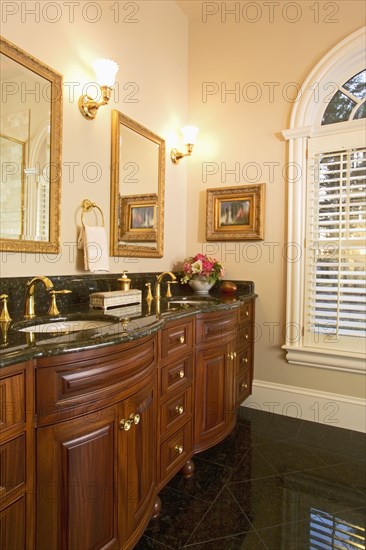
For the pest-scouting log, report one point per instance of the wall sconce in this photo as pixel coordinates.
(189, 139)
(105, 76)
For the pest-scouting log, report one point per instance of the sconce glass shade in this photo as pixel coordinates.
(189, 139)
(105, 72)
(105, 75)
(189, 134)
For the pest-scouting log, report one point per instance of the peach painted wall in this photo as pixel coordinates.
(149, 41)
(244, 69)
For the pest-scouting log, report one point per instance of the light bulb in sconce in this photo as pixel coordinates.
(105, 76)
(189, 139)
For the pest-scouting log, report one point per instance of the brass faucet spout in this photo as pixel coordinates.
(29, 295)
(159, 279)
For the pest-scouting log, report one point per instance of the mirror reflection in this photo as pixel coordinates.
(137, 189)
(30, 147)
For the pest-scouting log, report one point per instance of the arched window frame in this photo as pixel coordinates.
(336, 67)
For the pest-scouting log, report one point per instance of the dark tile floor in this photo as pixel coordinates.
(275, 483)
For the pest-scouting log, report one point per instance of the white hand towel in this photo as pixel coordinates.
(93, 240)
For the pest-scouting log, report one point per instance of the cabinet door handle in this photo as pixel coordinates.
(135, 418)
(244, 386)
(245, 360)
(182, 339)
(181, 373)
(246, 336)
(230, 356)
(247, 313)
(125, 424)
(178, 449)
(234, 354)
(179, 409)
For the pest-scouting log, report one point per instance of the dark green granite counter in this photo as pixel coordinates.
(17, 346)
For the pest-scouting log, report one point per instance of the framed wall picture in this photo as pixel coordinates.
(138, 217)
(235, 213)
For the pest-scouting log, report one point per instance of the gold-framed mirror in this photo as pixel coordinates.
(31, 144)
(137, 190)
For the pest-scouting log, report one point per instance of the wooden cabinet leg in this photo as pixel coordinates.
(188, 469)
(157, 507)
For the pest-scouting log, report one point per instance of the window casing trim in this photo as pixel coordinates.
(346, 59)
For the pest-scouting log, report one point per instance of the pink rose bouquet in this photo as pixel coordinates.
(202, 267)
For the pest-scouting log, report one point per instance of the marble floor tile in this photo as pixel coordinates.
(275, 483)
(223, 518)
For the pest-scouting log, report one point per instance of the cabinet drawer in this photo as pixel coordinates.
(245, 334)
(215, 327)
(176, 338)
(175, 412)
(246, 312)
(175, 451)
(85, 380)
(12, 460)
(12, 526)
(244, 360)
(176, 375)
(243, 386)
(12, 402)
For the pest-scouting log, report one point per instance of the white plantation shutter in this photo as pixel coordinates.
(335, 292)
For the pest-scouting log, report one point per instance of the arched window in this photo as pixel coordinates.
(349, 101)
(326, 300)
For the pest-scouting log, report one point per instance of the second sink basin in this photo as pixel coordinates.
(65, 326)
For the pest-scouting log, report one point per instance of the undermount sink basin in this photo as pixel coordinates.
(65, 326)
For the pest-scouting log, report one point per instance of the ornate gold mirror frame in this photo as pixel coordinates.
(137, 190)
(41, 162)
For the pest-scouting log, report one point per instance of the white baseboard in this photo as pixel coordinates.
(331, 409)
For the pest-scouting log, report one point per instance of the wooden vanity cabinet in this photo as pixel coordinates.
(89, 438)
(17, 455)
(175, 408)
(96, 447)
(215, 371)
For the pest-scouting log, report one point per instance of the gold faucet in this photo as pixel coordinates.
(29, 295)
(159, 279)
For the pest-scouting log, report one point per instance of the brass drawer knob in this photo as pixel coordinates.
(181, 373)
(230, 356)
(182, 339)
(244, 360)
(234, 354)
(179, 409)
(247, 313)
(244, 386)
(178, 449)
(246, 336)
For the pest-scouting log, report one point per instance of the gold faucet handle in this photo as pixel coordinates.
(149, 296)
(53, 307)
(4, 315)
(168, 291)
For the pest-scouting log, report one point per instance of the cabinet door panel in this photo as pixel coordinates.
(137, 459)
(211, 393)
(77, 484)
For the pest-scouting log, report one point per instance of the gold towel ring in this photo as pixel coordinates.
(87, 206)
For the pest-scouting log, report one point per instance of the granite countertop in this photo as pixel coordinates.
(118, 325)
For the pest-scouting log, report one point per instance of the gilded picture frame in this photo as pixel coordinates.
(138, 217)
(235, 213)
